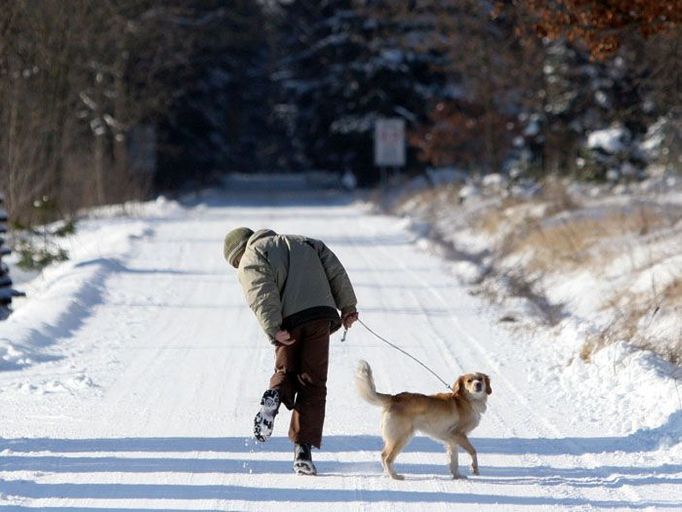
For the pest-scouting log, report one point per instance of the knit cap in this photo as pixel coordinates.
(235, 241)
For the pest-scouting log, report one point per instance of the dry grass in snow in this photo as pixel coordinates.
(610, 259)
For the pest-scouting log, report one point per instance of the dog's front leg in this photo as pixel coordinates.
(463, 441)
(453, 457)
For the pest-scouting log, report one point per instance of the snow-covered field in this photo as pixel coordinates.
(130, 376)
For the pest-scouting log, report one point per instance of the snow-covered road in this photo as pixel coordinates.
(147, 384)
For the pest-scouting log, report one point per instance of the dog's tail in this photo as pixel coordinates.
(364, 382)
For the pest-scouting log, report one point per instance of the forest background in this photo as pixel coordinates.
(106, 101)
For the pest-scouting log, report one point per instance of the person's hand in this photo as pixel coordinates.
(349, 319)
(284, 338)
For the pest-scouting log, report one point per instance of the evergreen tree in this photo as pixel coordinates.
(607, 74)
(588, 119)
(344, 68)
(219, 121)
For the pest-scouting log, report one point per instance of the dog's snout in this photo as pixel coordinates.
(478, 386)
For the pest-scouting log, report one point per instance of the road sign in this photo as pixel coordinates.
(389, 142)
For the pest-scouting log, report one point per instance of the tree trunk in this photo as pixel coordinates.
(99, 169)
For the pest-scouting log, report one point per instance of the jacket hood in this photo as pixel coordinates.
(261, 233)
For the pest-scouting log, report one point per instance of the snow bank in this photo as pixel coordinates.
(60, 298)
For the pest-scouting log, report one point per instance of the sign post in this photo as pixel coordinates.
(389, 145)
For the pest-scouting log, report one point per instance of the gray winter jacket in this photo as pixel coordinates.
(291, 279)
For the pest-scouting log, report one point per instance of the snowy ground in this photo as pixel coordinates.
(130, 376)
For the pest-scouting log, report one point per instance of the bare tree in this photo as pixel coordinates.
(76, 77)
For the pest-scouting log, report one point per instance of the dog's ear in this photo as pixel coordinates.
(458, 386)
(488, 389)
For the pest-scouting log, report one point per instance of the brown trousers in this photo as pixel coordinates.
(301, 379)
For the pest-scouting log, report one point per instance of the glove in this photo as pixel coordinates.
(349, 319)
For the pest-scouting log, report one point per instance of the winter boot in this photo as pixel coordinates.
(303, 461)
(264, 421)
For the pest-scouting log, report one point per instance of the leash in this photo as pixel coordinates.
(343, 338)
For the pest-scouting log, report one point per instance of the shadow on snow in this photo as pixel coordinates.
(303, 495)
(55, 461)
(642, 440)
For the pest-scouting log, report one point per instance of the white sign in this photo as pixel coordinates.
(389, 142)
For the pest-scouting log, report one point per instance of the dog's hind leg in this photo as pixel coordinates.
(396, 436)
(388, 455)
(463, 441)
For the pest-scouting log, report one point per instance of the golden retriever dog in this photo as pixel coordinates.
(447, 417)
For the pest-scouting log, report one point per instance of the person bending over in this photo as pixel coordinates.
(296, 287)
